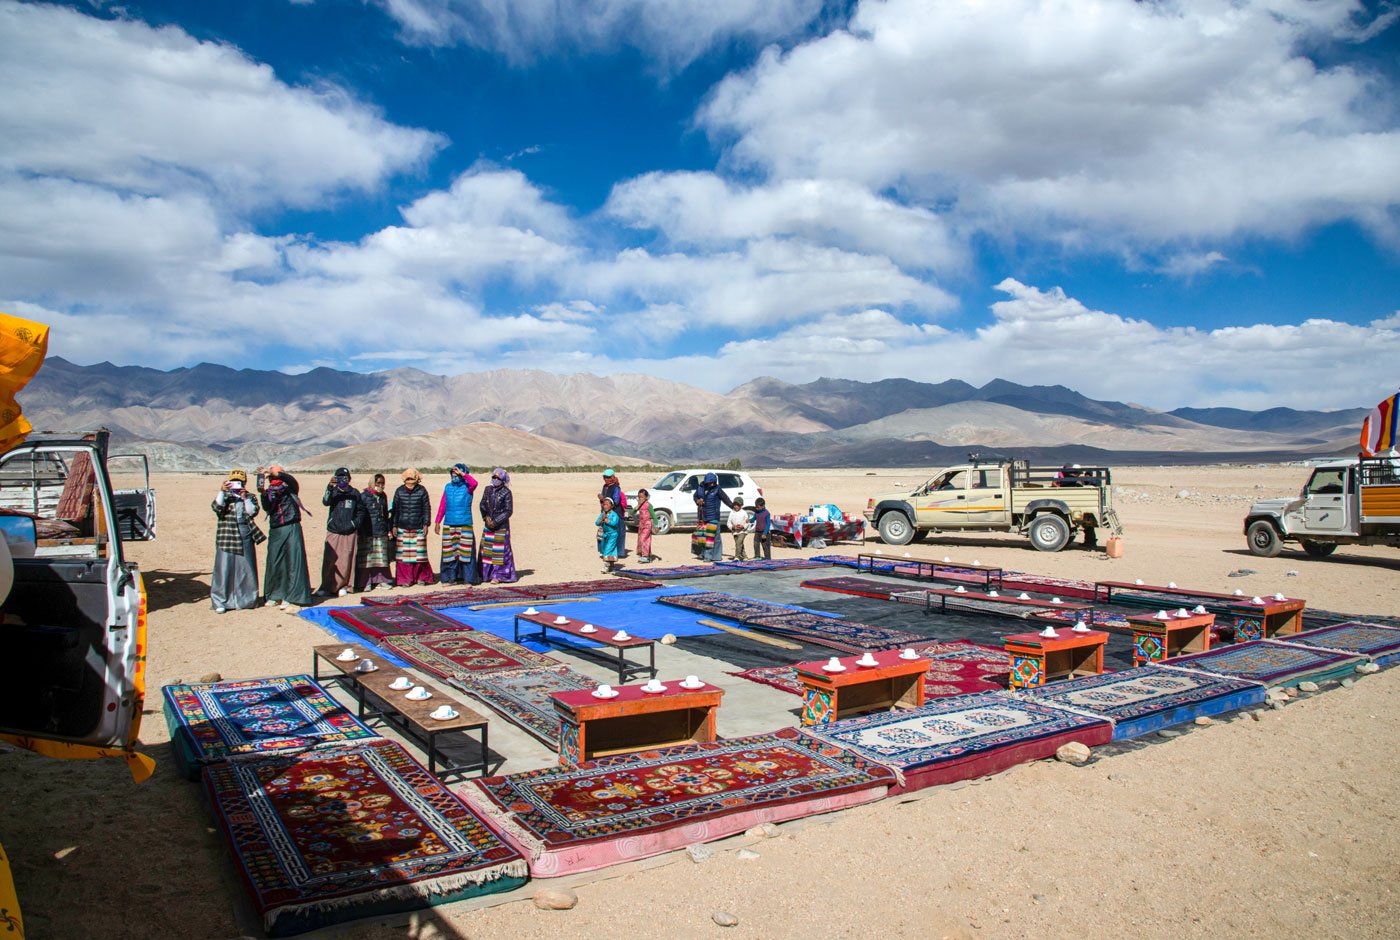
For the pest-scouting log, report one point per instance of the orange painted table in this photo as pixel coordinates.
(889, 684)
(1036, 659)
(1272, 616)
(1156, 638)
(634, 720)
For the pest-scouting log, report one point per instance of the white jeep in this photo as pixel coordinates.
(673, 497)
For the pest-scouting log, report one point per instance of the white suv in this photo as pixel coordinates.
(673, 497)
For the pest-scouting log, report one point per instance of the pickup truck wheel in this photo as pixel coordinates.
(1263, 539)
(895, 529)
(1319, 549)
(662, 523)
(1049, 532)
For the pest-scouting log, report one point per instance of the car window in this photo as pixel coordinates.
(669, 481)
(1326, 481)
(730, 481)
(689, 485)
(986, 479)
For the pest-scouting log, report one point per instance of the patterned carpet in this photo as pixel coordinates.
(338, 835)
(956, 668)
(597, 586)
(457, 654)
(630, 796)
(675, 573)
(1378, 643)
(1141, 700)
(724, 605)
(1269, 662)
(959, 738)
(841, 635)
(521, 696)
(861, 587)
(771, 564)
(375, 623)
(216, 721)
(441, 600)
(1046, 584)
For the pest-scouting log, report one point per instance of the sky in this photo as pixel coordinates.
(1189, 203)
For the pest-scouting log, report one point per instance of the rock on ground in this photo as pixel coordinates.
(699, 853)
(1073, 753)
(724, 919)
(555, 899)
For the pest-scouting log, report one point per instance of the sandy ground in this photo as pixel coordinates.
(1278, 827)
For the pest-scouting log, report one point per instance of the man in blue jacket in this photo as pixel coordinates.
(708, 497)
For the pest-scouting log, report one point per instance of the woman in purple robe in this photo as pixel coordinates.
(495, 556)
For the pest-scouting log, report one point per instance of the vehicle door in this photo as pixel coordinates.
(941, 503)
(732, 485)
(684, 503)
(1325, 495)
(75, 616)
(133, 497)
(986, 497)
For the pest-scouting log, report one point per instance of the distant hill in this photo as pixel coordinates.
(209, 416)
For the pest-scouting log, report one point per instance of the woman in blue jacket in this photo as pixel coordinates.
(454, 524)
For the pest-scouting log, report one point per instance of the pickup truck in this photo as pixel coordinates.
(1353, 501)
(1047, 504)
(75, 613)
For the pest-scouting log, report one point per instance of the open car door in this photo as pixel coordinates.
(74, 622)
(133, 497)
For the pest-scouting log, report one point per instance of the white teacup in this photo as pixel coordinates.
(993, 594)
(959, 590)
(530, 611)
(1198, 609)
(654, 685)
(946, 559)
(867, 660)
(1183, 612)
(1081, 627)
(561, 619)
(1280, 597)
(1048, 631)
(1171, 584)
(1256, 600)
(834, 664)
(692, 682)
(347, 655)
(1023, 596)
(908, 653)
(1056, 600)
(1137, 580)
(366, 665)
(588, 628)
(444, 712)
(401, 684)
(1162, 615)
(621, 635)
(604, 689)
(419, 694)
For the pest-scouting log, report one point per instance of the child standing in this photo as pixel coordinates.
(607, 534)
(644, 521)
(762, 530)
(739, 528)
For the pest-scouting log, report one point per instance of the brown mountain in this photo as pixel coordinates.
(481, 446)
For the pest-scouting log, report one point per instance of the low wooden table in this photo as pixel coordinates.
(634, 720)
(1156, 639)
(891, 683)
(941, 598)
(545, 620)
(411, 717)
(1036, 659)
(1271, 617)
(926, 568)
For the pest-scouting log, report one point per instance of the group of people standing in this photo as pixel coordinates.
(365, 534)
(611, 523)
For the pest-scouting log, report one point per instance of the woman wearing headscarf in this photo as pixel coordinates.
(285, 581)
(342, 534)
(234, 585)
(612, 489)
(374, 551)
(454, 524)
(410, 516)
(497, 504)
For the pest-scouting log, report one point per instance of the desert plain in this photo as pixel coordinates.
(1279, 827)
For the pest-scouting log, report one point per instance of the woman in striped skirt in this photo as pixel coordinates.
(374, 551)
(497, 506)
(454, 524)
(410, 516)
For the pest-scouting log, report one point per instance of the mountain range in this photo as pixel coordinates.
(208, 416)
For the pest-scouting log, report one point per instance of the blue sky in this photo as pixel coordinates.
(1191, 203)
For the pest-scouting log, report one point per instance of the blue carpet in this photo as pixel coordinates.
(321, 617)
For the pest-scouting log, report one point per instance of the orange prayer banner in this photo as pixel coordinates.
(23, 345)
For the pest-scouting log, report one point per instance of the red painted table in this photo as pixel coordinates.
(1270, 617)
(1156, 639)
(891, 683)
(546, 621)
(1035, 659)
(633, 720)
(926, 568)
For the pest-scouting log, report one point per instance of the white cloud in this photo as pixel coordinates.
(673, 33)
(1077, 120)
(705, 210)
(1191, 264)
(129, 107)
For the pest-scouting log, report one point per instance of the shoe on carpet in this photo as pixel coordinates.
(220, 610)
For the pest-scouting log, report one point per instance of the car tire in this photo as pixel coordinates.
(1049, 532)
(1319, 549)
(662, 523)
(895, 529)
(1263, 539)
(920, 535)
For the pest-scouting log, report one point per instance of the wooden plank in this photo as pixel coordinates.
(751, 635)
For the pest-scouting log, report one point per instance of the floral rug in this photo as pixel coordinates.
(597, 586)
(453, 597)
(728, 606)
(337, 835)
(1378, 643)
(457, 654)
(674, 573)
(955, 668)
(841, 635)
(861, 587)
(1269, 662)
(221, 720)
(959, 738)
(1146, 699)
(631, 797)
(408, 618)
